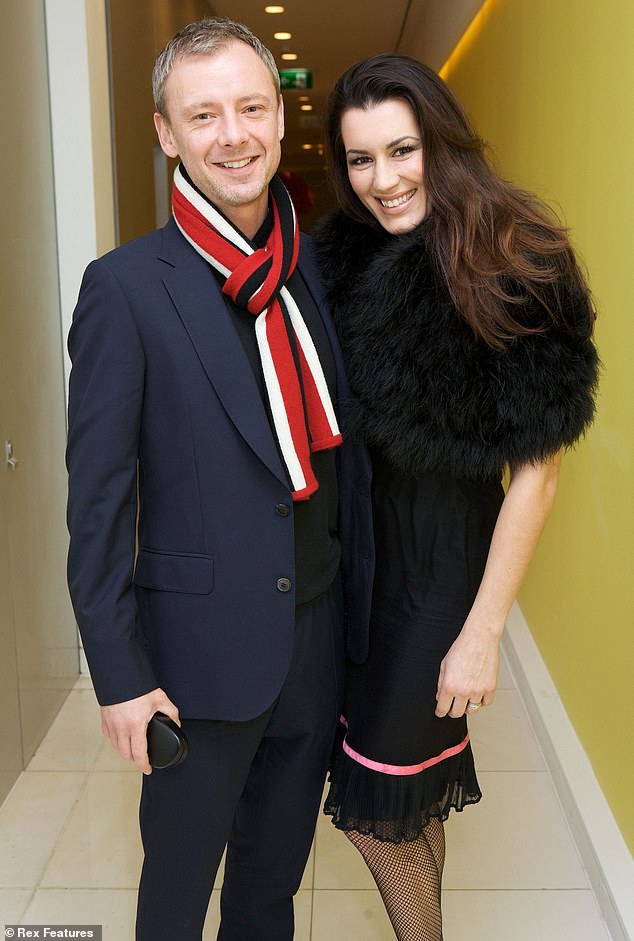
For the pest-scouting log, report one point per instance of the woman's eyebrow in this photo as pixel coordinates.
(394, 143)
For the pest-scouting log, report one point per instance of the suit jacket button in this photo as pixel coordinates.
(282, 509)
(284, 584)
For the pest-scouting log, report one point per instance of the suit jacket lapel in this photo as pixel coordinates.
(200, 305)
(314, 283)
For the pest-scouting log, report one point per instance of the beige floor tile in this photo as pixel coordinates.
(74, 739)
(10, 777)
(213, 917)
(338, 865)
(309, 871)
(220, 874)
(83, 662)
(303, 911)
(114, 909)
(503, 738)
(13, 903)
(350, 916)
(512, 873)
(515, 838)
(31, 820)
(303, 915)
(83, 681)
(523, 916)
(477, 916)
(101, 846)
(109, 760)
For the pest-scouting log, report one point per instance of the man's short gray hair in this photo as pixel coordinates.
(200, 38)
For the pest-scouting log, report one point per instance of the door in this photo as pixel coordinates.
(43, 654)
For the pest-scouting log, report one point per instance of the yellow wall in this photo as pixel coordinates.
(551, 87)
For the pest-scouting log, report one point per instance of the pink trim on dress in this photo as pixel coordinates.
(402, 769)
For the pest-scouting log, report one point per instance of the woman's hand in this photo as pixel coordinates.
(468, 674)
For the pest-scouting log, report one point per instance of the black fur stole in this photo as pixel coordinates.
(431, 396)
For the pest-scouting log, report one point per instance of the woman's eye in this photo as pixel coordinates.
(359, 161)
(403, 151)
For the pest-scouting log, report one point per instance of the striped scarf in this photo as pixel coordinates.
(303, 415)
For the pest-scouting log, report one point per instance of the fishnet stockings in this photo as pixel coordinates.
(408, 876)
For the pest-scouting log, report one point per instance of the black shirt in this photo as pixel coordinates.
(317, 548)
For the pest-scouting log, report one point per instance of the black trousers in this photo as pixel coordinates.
(254, 787)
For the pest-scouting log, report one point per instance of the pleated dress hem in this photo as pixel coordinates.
(395, 808)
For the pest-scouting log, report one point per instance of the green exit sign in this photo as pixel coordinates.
(296, 78)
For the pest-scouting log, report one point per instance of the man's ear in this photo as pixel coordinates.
(165, 136)
(280, 118)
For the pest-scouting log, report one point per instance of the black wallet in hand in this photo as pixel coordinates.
(166, 742)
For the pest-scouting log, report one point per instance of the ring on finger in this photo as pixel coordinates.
(474, 706)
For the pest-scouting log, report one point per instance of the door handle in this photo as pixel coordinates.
(8, 455)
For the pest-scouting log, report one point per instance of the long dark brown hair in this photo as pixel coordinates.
(494, 245)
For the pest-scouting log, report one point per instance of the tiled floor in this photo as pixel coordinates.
(70, 850)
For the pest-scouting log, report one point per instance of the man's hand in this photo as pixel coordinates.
(125, 724)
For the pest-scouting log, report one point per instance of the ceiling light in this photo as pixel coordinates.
(273, 9)
(307, 146)
(282, 36)
(306, 107)
(303, 98)
(289, 56)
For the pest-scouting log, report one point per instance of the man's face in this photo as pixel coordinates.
(224, 121)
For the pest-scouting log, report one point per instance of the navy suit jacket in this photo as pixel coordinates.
(172, 463)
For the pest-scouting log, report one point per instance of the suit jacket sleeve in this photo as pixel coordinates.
(105, 405)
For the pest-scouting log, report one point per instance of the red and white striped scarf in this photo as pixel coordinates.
(301, 407)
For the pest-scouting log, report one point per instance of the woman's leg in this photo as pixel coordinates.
(408, 876)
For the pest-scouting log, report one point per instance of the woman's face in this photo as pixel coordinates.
(384, 152)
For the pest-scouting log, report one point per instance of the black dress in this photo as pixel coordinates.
(399, 763)
(442, 413)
